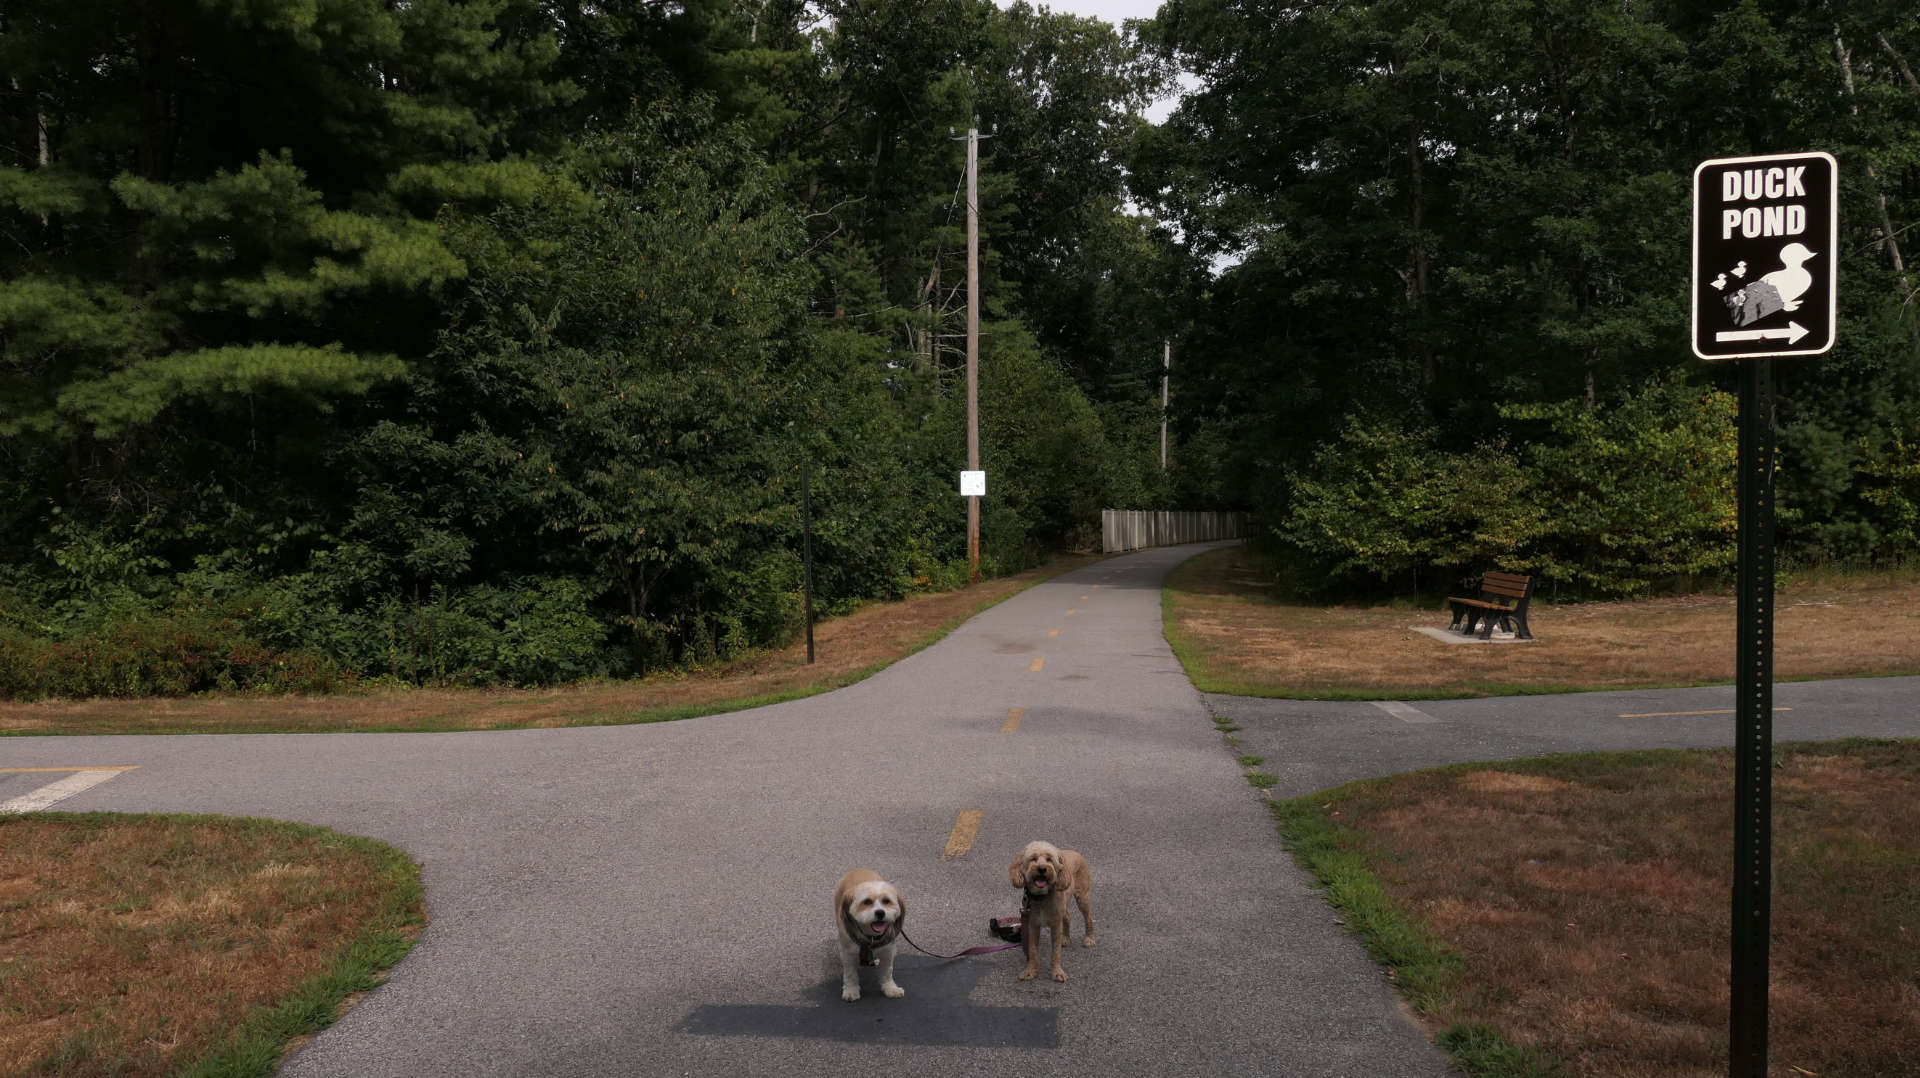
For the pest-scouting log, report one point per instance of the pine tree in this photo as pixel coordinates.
(221, 217)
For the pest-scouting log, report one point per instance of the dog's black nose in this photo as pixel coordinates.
(879, 916)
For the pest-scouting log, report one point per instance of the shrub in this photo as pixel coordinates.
(534, 631)
(1606, 499)
(171, 653)
(1890, 483)
(1634, 493)
(1384, 505)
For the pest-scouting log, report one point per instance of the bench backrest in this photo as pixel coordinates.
(1505, 585)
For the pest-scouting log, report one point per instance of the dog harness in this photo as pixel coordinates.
(859, 935)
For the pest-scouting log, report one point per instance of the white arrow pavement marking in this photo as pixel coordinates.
(1791, 334)
(55, 792)
(1403, 712)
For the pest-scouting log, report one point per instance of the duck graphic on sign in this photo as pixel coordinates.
(1779, 290)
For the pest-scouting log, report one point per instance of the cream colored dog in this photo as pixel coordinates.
(867, 913)
(1047, 874)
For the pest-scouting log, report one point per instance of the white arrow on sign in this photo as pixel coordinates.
(1791, 334)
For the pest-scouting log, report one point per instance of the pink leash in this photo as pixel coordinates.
(983, 949)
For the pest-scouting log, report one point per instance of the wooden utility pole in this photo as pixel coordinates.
(973, 347)
(1166, 364)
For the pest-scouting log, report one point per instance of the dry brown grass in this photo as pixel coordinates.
(844, 649)
(1235, 638)
(1589, 897)
(134, 946)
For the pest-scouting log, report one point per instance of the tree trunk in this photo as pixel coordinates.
(39, 135)
(1417, 280)
(873, 176)
(929, 311)
(1581, 278)
(1888, 241)
(156, 52)
(1900, 62)
(635, 583)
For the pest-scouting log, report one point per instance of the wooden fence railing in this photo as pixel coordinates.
(1137, 529)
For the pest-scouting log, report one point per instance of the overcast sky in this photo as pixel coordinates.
(1111, 10)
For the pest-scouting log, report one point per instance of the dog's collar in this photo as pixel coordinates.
(859, 935)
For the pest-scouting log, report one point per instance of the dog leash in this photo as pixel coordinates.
(985, 948)
(1026, 902)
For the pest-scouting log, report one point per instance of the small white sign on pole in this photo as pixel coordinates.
(973, 484)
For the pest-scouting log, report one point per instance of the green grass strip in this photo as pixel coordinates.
(1422, 967)
(1478, 1050)
(255, 1047)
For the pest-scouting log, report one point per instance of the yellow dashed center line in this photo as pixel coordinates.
(1083, 597)
(88, 767)
(1668, 714)
(1037, 664)
(1051, 633)
(1070, 613)
(966, 827)
(1013, 720)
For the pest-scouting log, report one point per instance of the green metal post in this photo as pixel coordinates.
(1753, 720)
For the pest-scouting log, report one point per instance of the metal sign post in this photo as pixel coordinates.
(1765, 284)
(1753, 729)
(806, 554)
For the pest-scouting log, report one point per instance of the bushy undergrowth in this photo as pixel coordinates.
(289, 635)
(156, 654)
(211, 631)
(535, 631)
(1618, 499)
(1604, 500)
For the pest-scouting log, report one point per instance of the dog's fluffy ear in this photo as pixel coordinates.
(1017, 872)
(902, 901)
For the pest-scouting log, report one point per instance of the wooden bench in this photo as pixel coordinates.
(1503, 600)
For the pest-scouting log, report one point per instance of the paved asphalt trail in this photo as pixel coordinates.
(654, 900)
(642, 900)
(1314, 745)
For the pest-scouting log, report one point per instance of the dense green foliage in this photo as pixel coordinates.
(1612, 498)
(1452, 335)
(482, 341)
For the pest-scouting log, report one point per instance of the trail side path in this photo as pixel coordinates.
(1313, 745)
(652, 900)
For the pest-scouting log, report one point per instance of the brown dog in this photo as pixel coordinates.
(1047, 874)
(867, 915)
